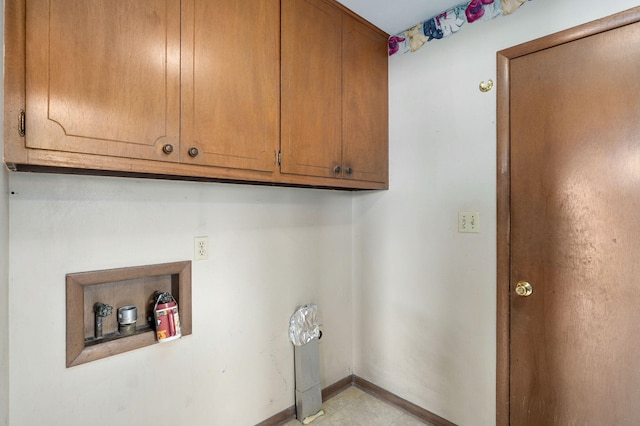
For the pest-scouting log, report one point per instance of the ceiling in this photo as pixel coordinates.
(398, 15)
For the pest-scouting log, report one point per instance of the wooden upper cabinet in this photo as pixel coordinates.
(365, 103)
(311, 88)
(285, 92)
(231, 83)
(334, 94)
(103, 76)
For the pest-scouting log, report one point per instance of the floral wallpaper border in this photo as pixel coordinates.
(450, 22)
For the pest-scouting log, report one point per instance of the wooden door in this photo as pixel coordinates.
(365, 102)
(103, 76)
(572, 136)
(311, 140)
(231, 83)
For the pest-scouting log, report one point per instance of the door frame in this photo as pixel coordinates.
(503, 324)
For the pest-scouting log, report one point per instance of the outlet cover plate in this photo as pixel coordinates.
(469, 222)
(201, 248)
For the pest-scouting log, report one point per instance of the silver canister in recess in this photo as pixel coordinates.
(127, 317)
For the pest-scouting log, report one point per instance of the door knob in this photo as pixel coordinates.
(524, 289)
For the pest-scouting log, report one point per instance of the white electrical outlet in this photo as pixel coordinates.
(469, 222)
(201, 248)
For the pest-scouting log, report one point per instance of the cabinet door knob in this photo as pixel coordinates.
(167, 149)
(349, 170)
(193, 152)
(337, 170)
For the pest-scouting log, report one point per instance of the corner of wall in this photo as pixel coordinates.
(4, 296)
(4, 267)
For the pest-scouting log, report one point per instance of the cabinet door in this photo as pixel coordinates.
(230, 83)
(365, 103)
(103, 76)
(311, 140)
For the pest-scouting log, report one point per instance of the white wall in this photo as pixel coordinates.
(4, 298)
(425, 311)
(271, 250)
(4, 274)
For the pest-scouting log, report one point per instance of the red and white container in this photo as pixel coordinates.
(167, 320)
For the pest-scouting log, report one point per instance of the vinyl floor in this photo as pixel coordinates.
(354, 407)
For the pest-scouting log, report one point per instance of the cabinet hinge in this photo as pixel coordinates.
(21, 123)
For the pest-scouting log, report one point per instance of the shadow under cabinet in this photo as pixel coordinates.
(116, 288)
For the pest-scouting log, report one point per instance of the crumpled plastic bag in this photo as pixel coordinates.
(303, 325)
(510, 6)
